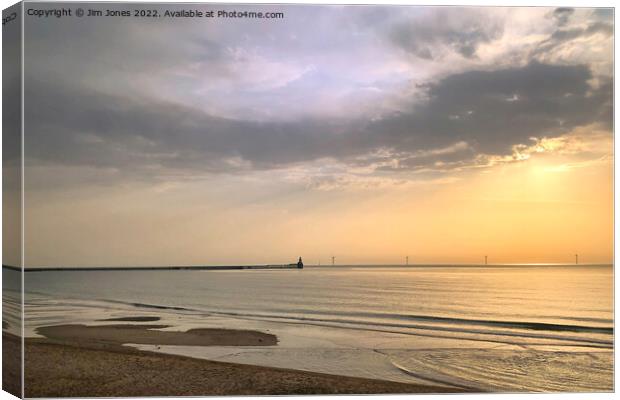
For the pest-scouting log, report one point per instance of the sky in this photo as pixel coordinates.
(368, 133)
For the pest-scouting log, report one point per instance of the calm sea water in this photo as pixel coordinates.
(506, 328)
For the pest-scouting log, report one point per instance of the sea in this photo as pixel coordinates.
(501, 328)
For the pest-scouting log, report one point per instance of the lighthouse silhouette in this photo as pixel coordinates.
(300, 264)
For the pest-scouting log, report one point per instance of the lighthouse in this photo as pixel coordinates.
(300, 264)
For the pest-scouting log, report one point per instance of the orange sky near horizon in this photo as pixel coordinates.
(541, 210)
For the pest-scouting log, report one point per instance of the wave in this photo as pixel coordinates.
(538, 326)
(533, 325)
(452, 325)
(411, 324)
(527, 325)
(147, 305)
(432, 379)
(160, 307)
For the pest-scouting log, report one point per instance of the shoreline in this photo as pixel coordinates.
(88, 366)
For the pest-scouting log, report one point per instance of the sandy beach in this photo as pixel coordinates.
(91, 361)
(11, 356)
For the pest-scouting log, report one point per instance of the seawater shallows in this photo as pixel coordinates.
(509, 328)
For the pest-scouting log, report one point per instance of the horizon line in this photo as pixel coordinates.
(286, 266)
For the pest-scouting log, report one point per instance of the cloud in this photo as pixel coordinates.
(73, 125)
(161, 101)
(437, 31)
(496, 110)
(493, 110)
(562, 15)
(582, 36)
(563, 37)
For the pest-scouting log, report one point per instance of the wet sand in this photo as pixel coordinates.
(132, 319)
(76, 361)
(144, 334)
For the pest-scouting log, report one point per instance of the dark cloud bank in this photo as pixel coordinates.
(453, 120)
(489, 110)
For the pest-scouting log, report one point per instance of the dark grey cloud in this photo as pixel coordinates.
(73, 125)
(605, 13)
(490, 111)
(493, 110)
(562, 15)
(564, 35)
(427, 38)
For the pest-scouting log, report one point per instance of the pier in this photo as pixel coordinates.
(162, 268)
